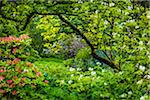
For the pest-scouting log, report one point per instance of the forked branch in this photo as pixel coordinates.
(78, 32)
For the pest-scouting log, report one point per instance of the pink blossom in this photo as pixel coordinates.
(14, 92)
(38, 73)
(2, 78)
(9, 81)
(46, 81)
(2, 70)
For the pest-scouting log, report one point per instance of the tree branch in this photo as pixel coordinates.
(38, 13)
(28, 20)
(78, 32)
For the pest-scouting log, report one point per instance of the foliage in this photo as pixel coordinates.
(18, 75)
(106, 41)
(57, 39)
(116, 30)
(121, 32)
(95, 83)
(82, 60)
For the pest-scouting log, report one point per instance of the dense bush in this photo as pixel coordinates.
(97, 83)
(18, 76)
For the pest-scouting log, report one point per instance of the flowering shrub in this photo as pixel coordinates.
(98, 83)
(18, 75)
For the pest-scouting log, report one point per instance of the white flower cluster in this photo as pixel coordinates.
(121, 72)
(148, 14)
(80, 77)
(76, 8)
(72, 75)
(142, 68)
(96, 11)
(25, 71)
(78, 69)
(131, 21)
(105, 84)
(144, 97)
(93, 73)
(147, 77)
(105, 22)
(90, 69)
(104, 3)
(114, 33)
(130, 7)
(136, 27)
(98, 63)
(46, 51)
(119, 10)
(130, 92)
(111, 4)
(141, 43)
(71, 69)
(70, 81)
(80, 1)
(123, 95)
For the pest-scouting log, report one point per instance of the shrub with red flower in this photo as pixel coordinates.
(13, 38)
(16, 70)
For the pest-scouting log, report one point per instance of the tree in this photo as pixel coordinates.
(117, 28)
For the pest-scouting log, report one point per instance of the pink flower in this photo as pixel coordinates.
(14, 50)
(8, 39)
(15, 77)
(12, 38)
(2, 91)
(38, 73)
(1, 78)
(14, 92)
(24, 36)
(1, 70)
(46, 81)
(9, 81)
(23, 78)
(12, 85)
